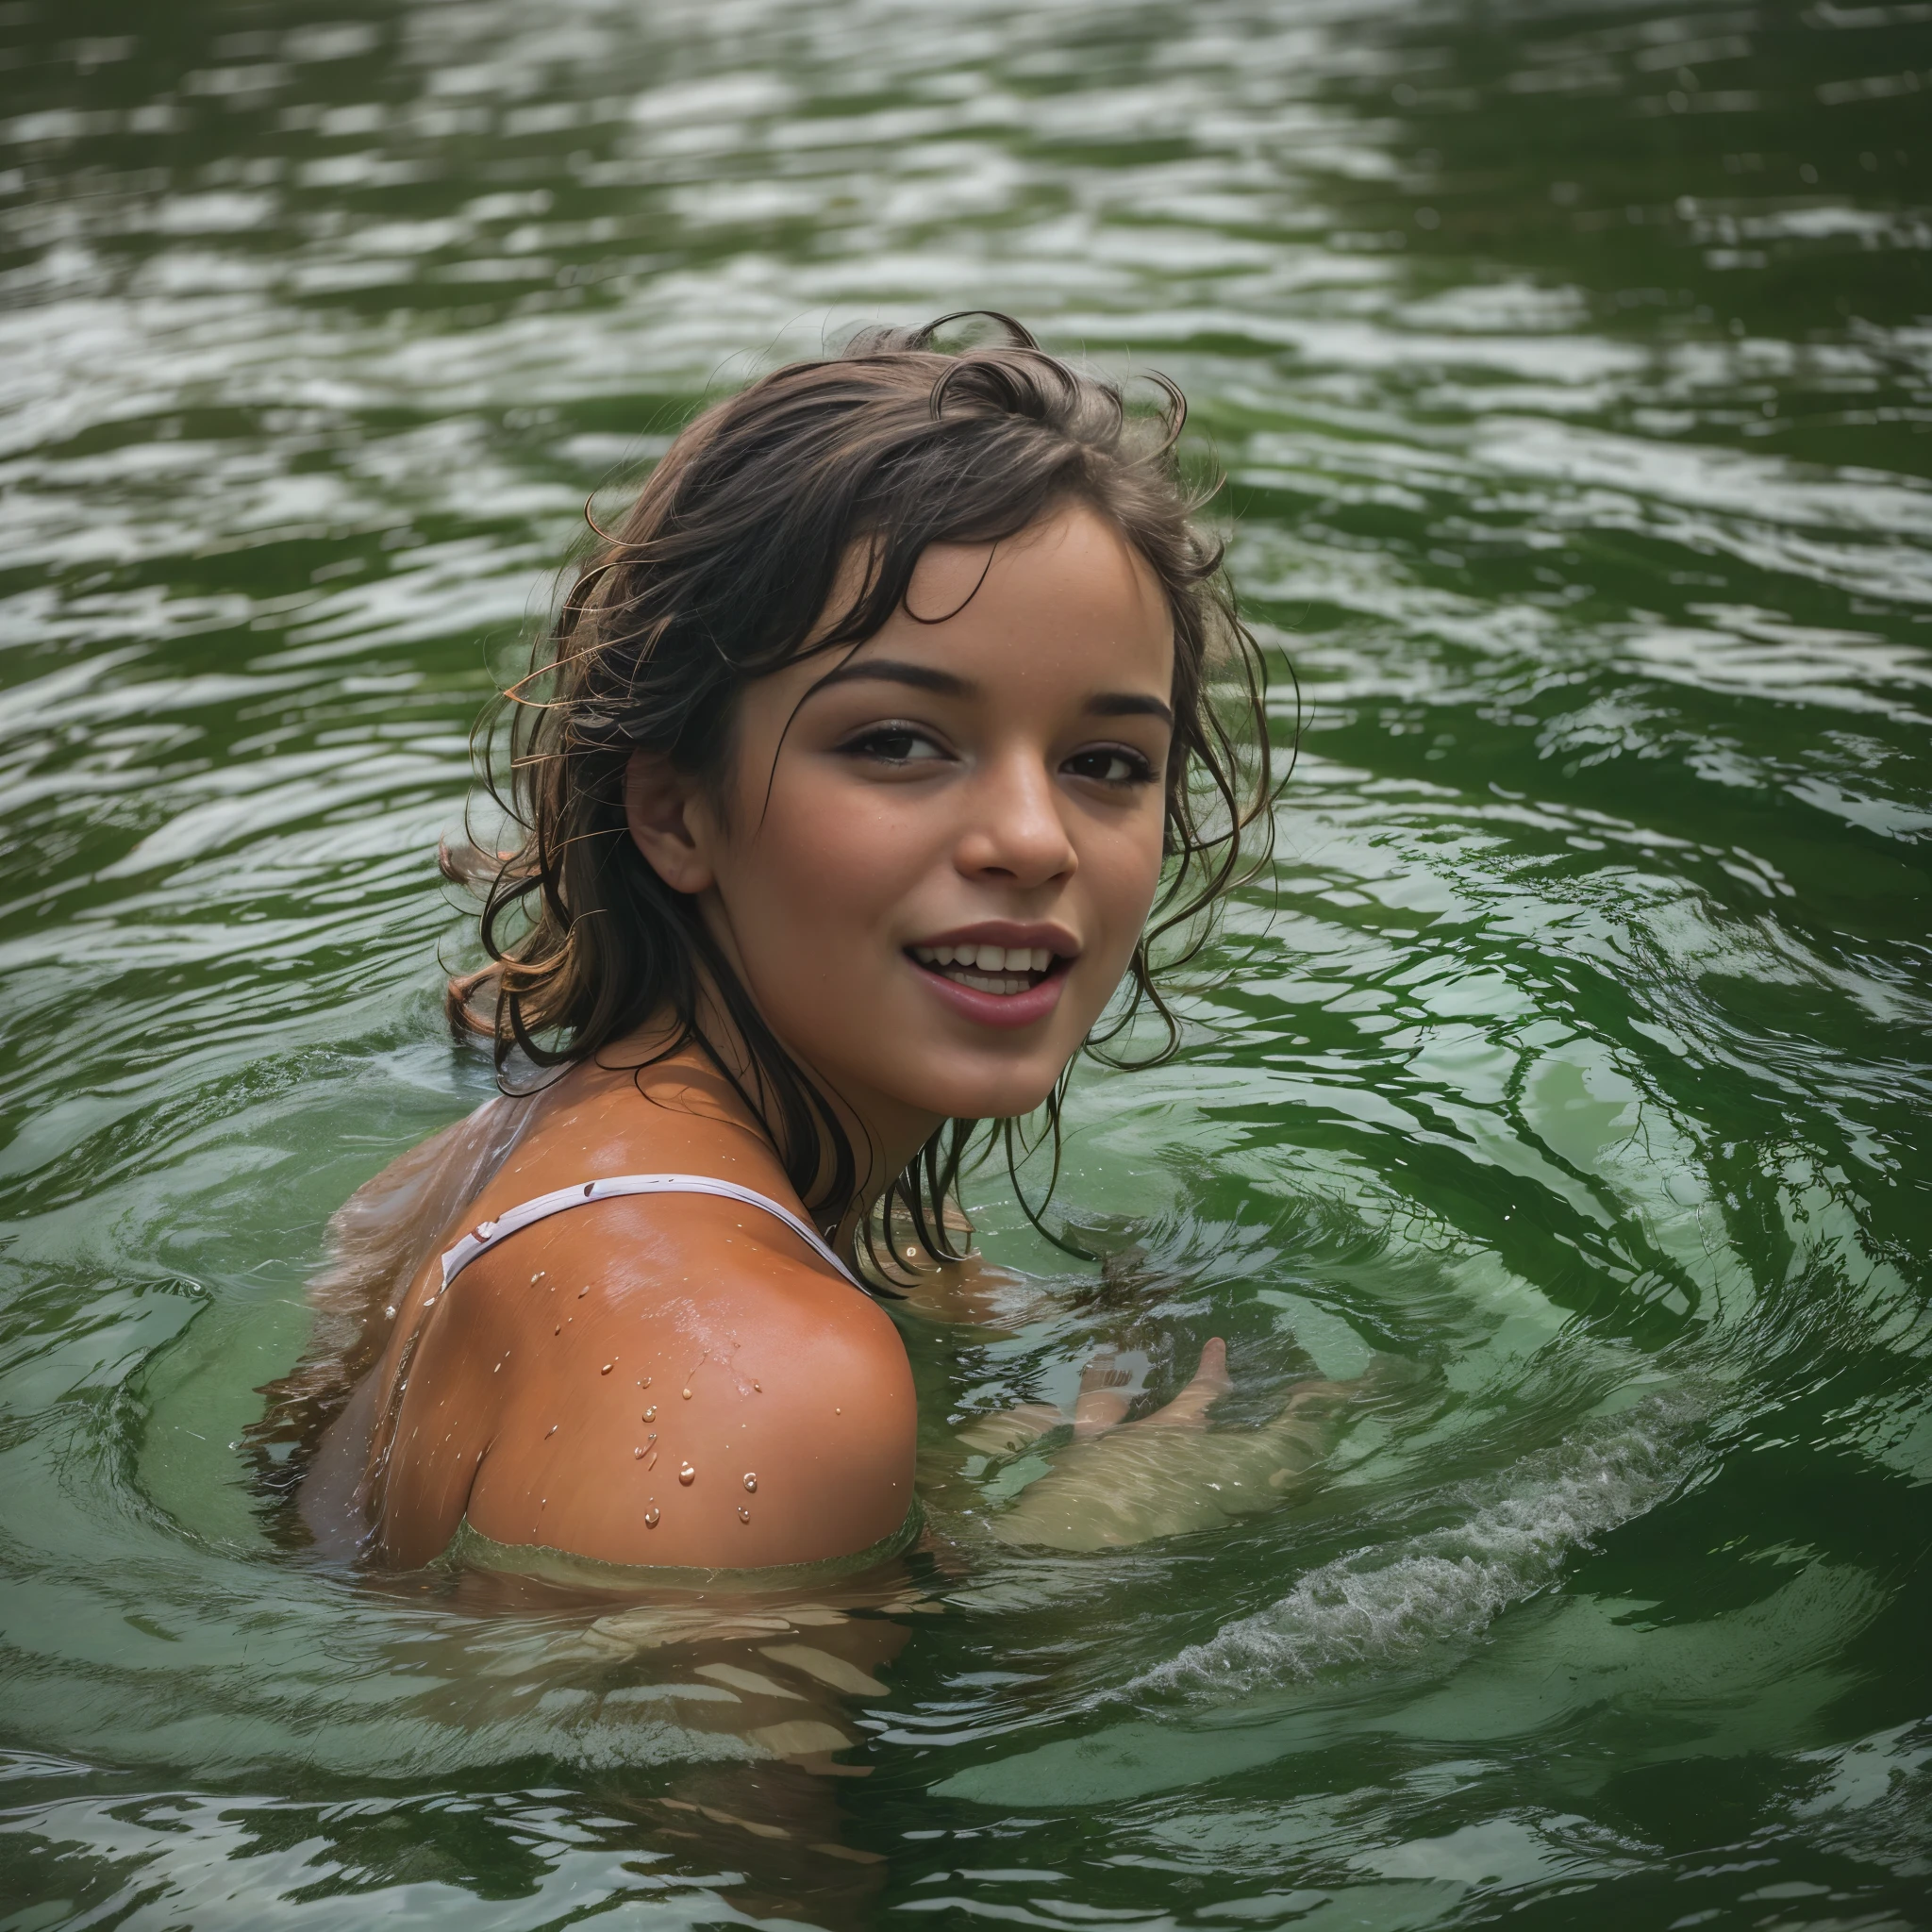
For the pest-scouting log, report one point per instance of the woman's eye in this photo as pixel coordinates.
(1111, 764)
(894, 745)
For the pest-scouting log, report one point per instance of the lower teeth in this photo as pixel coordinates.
(980, 982)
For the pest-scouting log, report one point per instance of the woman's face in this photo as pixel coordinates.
(962, 836)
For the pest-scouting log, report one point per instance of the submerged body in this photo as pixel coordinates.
(680, 1382)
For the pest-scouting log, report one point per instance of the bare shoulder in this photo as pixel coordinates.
(672, 1381)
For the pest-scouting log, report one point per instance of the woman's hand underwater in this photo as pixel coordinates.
(1102, 1405)
(1121, 1482)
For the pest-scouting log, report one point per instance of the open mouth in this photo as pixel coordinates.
(1000, 970)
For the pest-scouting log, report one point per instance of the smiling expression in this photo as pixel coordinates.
(962, 833)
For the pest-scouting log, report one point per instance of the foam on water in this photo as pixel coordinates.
(1404, 1596)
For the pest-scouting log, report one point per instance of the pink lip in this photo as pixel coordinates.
(998, 1009)
(1009, 1010)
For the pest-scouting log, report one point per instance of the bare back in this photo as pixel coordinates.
(666, 1381)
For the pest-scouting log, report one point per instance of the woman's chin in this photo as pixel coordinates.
(999, 1094)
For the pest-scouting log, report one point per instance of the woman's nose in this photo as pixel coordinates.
(1017, 832)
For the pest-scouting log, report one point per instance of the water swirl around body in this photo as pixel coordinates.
(1567, 1078)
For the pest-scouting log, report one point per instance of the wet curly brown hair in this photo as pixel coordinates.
(721, 572)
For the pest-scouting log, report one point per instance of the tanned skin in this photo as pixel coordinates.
(992, 777)
(704, 1335)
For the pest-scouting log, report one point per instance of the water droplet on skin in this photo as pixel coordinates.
(389, 1313)
(638, 1453)
(646, 1383)
(650, 1413)
(539, 1274)
(687, 1475)
(583, 1291)
(760, 1387)
(651, 1517)
(606, 1368)
(744, 1514)
(751, 1482)
(687, 1394)
(558, 1329)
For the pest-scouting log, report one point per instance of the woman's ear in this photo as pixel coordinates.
(667, 821)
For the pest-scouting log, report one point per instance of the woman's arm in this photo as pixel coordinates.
(1119, 1483)
(570, 1378)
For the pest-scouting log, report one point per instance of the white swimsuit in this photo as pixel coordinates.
(486, 1234)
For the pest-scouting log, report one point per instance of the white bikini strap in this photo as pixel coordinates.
(486, 1234)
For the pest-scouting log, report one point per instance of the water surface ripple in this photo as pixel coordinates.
(1568, 365)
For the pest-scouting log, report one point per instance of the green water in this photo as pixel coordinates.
(1570, 364)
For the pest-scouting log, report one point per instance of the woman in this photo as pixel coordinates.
(848, 781)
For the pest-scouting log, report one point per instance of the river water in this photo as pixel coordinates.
(1569, 364)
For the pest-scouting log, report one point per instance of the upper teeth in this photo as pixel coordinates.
(988, 958)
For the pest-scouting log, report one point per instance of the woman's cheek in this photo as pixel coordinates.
(1135, 880)
(843, 862)
(1123, 876)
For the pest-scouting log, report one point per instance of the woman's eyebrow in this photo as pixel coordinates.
(1106, 704)
(1128, 704)
(890, 671)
